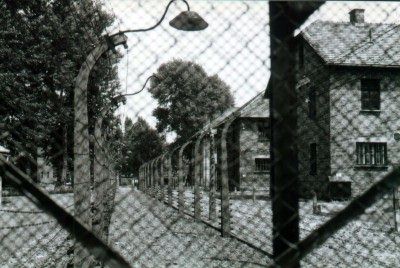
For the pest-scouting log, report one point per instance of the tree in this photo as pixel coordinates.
(141, 144)
(42, 46)
(187, 97)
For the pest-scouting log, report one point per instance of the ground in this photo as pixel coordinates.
(368, 240)
(154, 235)
(150, 234)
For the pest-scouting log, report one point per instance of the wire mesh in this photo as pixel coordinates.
(168, 146)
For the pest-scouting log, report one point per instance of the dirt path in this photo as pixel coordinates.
(150, 234)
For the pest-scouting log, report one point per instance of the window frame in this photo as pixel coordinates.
(370, 94)
(367, 154)
(267, 164)
(263, 135)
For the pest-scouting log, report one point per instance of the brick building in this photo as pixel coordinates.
(248, 146)
(348, 83)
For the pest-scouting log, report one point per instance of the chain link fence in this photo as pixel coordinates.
(199, 133)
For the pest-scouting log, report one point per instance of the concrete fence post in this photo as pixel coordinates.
(144, 183)
(144, 178)
(162, 179)
(152, 179)
(181, 180)
(99, 180)
(81, 149)
(395, 224)
(225, 209)
(197, 174)
(158, 177)
(147, 176)
(155, 177)
(1, 191)
(139, 178)
(133, 184)
(212, 210)
(170, 179)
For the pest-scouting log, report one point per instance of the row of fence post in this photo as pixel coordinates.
(284, 173)
(152, 176)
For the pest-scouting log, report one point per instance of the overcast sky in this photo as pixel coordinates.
(235, 45)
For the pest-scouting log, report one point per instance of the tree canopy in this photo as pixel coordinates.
(43, 43)
(187, 97)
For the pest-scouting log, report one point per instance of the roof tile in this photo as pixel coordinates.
(370, 44)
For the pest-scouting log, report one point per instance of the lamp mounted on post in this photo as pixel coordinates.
(186, 21)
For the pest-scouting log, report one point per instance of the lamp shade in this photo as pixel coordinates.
(189, 21)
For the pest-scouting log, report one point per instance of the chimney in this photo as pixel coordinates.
(357, 16)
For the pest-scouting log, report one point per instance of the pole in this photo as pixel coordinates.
(162, 179)
(170, 182)
(99, 180)
(395, 209)
(225, 209)
(285, 17)
(1, 190)
(212, 202)
(197, 170)
(284, 179)
(181, 180)
(81, 142)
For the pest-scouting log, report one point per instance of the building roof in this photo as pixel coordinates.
(218, 120)
(4, 150)
(344, 43)
(257, 107)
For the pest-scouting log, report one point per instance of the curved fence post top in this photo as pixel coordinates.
(182, 148)
(163, 156)
(227, 125)
(199, 139)
(170, 153)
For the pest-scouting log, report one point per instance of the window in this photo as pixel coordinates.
(370, 94)
(263, 131)
(313, 159)
(312, 104)
(262, 164)
(371, 153)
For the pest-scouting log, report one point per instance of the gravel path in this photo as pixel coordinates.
(150, 234)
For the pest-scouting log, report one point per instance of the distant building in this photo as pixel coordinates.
(248, 146)
(348, 83)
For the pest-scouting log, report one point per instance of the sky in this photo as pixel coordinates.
(235, 45)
